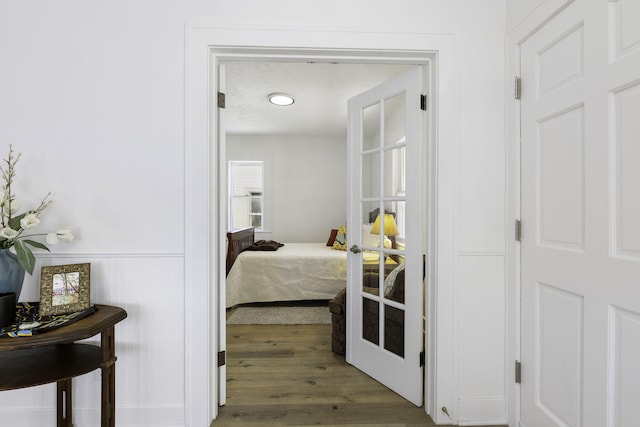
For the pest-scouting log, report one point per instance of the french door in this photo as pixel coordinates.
(580, 194)
(385, 286)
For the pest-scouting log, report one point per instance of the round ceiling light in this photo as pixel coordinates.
(281, 99)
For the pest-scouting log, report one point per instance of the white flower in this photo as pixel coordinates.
(65, 234)
(29, 221)
(8, 233)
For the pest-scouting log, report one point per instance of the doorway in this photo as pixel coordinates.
(303, 147)
(203, 260)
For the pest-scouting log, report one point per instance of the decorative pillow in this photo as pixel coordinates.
(341, 239)
(391, 279)
(265, 245)
(332, 237)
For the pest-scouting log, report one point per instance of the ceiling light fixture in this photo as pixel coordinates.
(281, 99)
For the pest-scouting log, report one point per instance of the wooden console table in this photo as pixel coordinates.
(54, 356)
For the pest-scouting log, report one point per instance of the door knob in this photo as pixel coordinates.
(355, 249)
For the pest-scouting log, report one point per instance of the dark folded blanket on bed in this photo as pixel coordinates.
(264, 245)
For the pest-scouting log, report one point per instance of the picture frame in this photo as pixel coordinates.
(64, 288)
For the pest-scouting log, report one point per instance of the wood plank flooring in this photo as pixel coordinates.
(286, 375)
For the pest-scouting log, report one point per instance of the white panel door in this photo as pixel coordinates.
(580, 195)
(385, 281)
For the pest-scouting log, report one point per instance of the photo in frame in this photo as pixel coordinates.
(64, 289)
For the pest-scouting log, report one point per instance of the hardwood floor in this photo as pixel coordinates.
(286, 375)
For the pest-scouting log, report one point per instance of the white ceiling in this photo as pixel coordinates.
(320, 90)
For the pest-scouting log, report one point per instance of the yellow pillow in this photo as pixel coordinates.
(341, 239)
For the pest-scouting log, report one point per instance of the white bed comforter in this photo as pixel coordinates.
(296, 271)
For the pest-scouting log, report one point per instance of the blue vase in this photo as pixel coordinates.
(11, 273)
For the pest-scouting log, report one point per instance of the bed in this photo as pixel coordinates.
(296, 271)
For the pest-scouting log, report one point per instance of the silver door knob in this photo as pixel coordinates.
(355, 249)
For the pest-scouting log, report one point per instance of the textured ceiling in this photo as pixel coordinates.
(321, 91)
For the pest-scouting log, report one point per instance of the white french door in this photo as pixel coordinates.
(385, 286)
(580, 195)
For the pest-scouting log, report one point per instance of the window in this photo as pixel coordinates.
(246, 194)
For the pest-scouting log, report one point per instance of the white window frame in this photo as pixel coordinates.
(232, 164)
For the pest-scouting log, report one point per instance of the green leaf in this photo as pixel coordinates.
(25, 257)
(36, 244)
(15, 222)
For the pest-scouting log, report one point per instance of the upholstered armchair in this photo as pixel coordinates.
(394, 319)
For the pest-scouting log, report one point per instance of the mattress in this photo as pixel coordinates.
(296, 271)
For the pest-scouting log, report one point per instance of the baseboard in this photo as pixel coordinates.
(482, 411)
(86, 417)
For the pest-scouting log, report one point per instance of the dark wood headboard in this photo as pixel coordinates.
(237, 241)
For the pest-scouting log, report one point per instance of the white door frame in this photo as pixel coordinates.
(204, 231)
(515, 38)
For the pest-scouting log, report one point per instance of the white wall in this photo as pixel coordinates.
(92, 93)
(305, 184)
(518, 10)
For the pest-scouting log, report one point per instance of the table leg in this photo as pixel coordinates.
(108, 409)
(65, 413)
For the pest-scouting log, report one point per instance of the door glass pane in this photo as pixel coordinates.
(370, 320)
(394, 119)
(370, 211)
(394, 330)
(371, 279)
(370, 256)
(371, 166)
(394, 171)
(371, 127)
(398, 207)
(394, 280)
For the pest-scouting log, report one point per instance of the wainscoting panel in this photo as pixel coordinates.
(149, 344)
(481, 313)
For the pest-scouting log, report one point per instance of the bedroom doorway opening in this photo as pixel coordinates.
(303, 156)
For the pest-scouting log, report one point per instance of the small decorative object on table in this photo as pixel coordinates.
(16, 256)
(28, 321)
(64, 289)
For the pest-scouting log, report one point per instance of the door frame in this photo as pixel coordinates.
(206, 47)
(515, 38)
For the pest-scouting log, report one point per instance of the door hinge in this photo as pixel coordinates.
(424, 266)
(222, 358)
(518, 230)
(221, 100)
(423, 102)
(517, 88)
(518, 372)
(422, 358)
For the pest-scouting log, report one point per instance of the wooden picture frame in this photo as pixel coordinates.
(64, 289)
